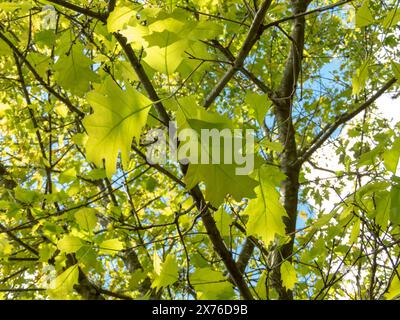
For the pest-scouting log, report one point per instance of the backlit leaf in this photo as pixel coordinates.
(119, 116)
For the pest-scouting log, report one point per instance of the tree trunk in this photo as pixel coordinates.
(283, 104)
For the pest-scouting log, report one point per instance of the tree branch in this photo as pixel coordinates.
(252, 37)
(71, 107)
(84, 11)
(342, 119)
(303, 14)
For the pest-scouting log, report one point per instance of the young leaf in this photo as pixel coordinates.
(259, 104)
(265, 212)
(135, 35)
(211, 285)
(355, 231)
(166, 273)
(382, 208)
(61, 286)
(69, 244)
(166, 59)
(111, 246)
(119, 18)
(360, 78)
(364, 16)
(260, 288)
(288, 274)
(73, 72)
(86, 218)
(223, 221)
(220, 179)
(394, 289)
(395, 204)
(392, 18)
(396, 69)
(119, 116)
(391, 157)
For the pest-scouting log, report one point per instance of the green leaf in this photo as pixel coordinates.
(23, 6)
(392, 18)
(169, 24)
(119, 18)
(382, 200)
(40, 62)
(119, 116)
(5, 246)
(220, 179)
(288, 275)
(260, 105)
(360, 78)
(69, 244)
(391, 157)
(211, 285)
(266, 211)
(73, 72)
(223, 221)
(203, 30)
(96, 174)
(355, 231)
(166, 273)
(261, 289)
(86, 218)
(26, 196)
(61, 286)
(135, 35)
(273, 145)
(166, 59)
(67, 176)
(110, 247)
(394, 288)
(395, 204)
(370, 157)
(396, 68)
(364, 16)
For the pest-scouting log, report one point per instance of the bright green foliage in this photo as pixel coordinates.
(396, 69)
(394, 289)
(86, 218)
(119, 18)
(166, 273)
(111, 246)
(211, 284)
(391, 156)
(223, 221)
(69, 244)
(88, 87)
(266, 211)
(259, 104)
(118, 117)
(360, 78)
(219, 179)
(5, 246)
(395, 204)
(260, 289)
(364, 16)
(392, 18)
(166, 59)
(288, 273)
(73, 71)
(63, 285)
